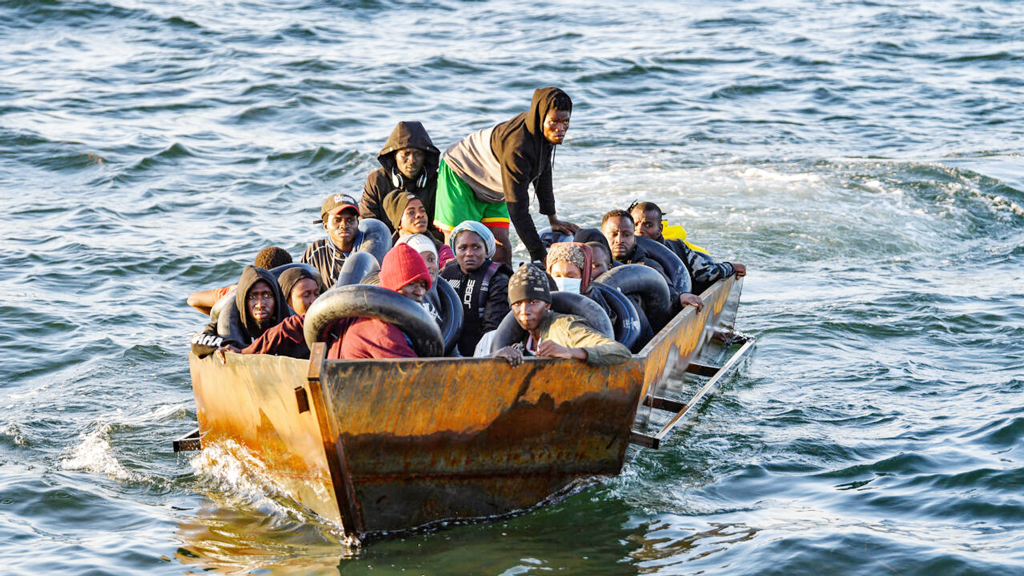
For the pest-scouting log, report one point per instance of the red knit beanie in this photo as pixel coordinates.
(402, 265)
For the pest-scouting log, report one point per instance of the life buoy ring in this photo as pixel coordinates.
(376, 238)
(356, 267)
(509, 331)
(627, 329)
(647, 284)
(676, 270)
(365, 301)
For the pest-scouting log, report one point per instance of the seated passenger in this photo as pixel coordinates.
(600, 258)
(704, 270)
(550, 334)
(285, 339)
(403, 271)
(340, 219)
(425, 246)
(619, 229)
(407, 215)
(408, 163)
(260, 307)
(569, 261)
(268, 258)
(299, 288)
(481, 283)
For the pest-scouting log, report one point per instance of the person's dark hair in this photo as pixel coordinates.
(561, 101)
(646, 207)
(272, 257)
(596, 247)
(617, 213)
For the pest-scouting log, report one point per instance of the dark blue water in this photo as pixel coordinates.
(863, 158)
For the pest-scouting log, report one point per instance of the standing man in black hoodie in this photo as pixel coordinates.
(486, 176)
(408, 163)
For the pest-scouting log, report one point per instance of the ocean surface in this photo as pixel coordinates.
(863, 158)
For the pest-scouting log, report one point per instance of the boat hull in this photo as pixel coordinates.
(396, 444)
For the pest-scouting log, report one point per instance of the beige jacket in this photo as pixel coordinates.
(573, 332)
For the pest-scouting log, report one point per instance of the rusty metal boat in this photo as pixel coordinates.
(385, 445)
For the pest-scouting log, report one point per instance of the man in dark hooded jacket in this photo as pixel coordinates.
(486, 176)
(260, 305)
(409, 163)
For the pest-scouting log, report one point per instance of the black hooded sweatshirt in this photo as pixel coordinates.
(525, 157)
(209, 340)
(388, 178)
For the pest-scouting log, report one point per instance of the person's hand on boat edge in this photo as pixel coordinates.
(741, 270)
(220, 353)
(691, 300)
(510, 353)
(550, 349)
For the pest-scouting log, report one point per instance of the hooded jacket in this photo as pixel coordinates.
(208, 340)
(524, 156)
(387, 178)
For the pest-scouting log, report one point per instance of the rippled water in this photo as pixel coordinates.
(862, 157)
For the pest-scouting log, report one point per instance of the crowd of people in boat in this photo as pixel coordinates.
(426, 217)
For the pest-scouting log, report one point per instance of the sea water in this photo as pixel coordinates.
(861, 157)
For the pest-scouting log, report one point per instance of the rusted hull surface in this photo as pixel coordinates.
(250, 402)
(433, 439)
(679, 343)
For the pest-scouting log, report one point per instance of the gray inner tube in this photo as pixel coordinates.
(647, 284)
(677, 271)
(549, 237)
(627, 329)
(450, 307)
(510, 332)
(365, 301)
(356, 267)
(311, 270)
(376, 238)
(220, 304)
(229, 322)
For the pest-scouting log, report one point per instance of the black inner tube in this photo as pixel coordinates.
(646, 283)
(627, 328)
(365, 301)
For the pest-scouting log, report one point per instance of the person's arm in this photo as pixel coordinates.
(515, 180)
(706, 271)
(285, 339)
(208, 341)
(204, 300)
(584, 343)
(546, 199)
(369, 205)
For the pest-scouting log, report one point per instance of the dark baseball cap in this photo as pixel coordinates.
(336, 203)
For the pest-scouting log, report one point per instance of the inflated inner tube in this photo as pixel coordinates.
(276, 271)
(627, 328)
(645, 283)
(376, 238)
(356, 267)
(220, 304)
(509, 331)
(365, 301)
(549, 237)
(677, 271)
(446, 301)
(229, 322)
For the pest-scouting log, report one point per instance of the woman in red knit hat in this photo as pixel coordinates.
(404, 271)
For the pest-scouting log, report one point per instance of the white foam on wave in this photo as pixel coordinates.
(94, 454)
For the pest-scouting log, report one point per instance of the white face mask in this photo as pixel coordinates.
(568, 285)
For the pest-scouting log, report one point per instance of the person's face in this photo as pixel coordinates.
(410, 161)
(530, 313)
(416, 290)
(304, 292)
(342, 228)
(556, 124)
(563, 269)
(648, 224)
(431, 259)
(619, 233)
(260, 301)
(470, 252)
(414, 219)
(600, 264)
